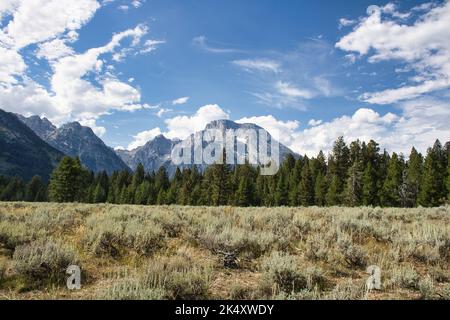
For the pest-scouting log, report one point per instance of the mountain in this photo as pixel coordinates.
(75, 140)
(157, 152)
(22, 152)
(153, 155)
(41, 126)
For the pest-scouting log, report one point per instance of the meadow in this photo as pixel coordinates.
(179, 252)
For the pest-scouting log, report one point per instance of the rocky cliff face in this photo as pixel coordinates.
(23, 152)
(76, 140)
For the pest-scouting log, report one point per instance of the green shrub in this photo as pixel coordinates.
(178, 277)
(282, 273)
(426, 288)
(2, 271)
(240, 292)
(404, 277)
(43, 261)
(353, 255)
(131, 289)
(111, 234)
(348, 290)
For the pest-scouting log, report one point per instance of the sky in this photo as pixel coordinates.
(307, 71)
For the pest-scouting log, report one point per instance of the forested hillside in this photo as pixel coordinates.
(352, 175)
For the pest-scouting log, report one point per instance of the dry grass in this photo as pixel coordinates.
(138, 252)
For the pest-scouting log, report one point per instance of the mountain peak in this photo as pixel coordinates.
(225, 124)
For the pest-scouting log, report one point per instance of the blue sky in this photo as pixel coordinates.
(310, 70)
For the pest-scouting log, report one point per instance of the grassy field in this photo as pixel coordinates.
(137, 252)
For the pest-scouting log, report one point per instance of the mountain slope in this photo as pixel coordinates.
(153, 155)
(22, 152)
(157, 152)
(77, 141)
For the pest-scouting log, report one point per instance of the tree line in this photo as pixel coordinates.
(357, 174)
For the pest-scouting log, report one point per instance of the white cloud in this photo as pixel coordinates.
(314, 123)
(137, 3)
(182, 126)
(179, 101)
(291, 91)
(263, 65)
(161, 112)
(11, 66)
(40, 20)
(151, 45)
(423, 46)
(53, 50)
(420, 123)
(72, 95)
(343, 22)
(99, 131)
(282, 130)
(143, 137)
(202, 43)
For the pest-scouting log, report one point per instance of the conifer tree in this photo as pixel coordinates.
(391, 187)
(333, 195)
(33, 189)
(432, 192)
(354, 186)
(14, 190)
(68, 181)
(306, 188)
(281, 193)
(320, 190)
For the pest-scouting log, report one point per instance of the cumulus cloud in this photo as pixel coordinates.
(263, 65)
(35, 21)
(53, 50)
(79, 87)
(179, 101)
(394, 132)
(143, 137)
(422, 46)
(284, 131)
(182, 126)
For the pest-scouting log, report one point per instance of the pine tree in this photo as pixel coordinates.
(221, 184)
(320, 190)
(245, 192)
(354, 186)
(33, 188)
(161, 200)
(369, 193)
(99, 194)
(306, 188)
(67, 183)
(294, 182)
(391, 188)
(413, 177)
(433, 188)
(142, 193)
(281, 193)
(448, 179)
(14, 190)
(333, 195)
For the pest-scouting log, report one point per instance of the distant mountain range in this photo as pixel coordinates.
(33, 146)
(75, 140)
(157, 152)
(22, 152)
